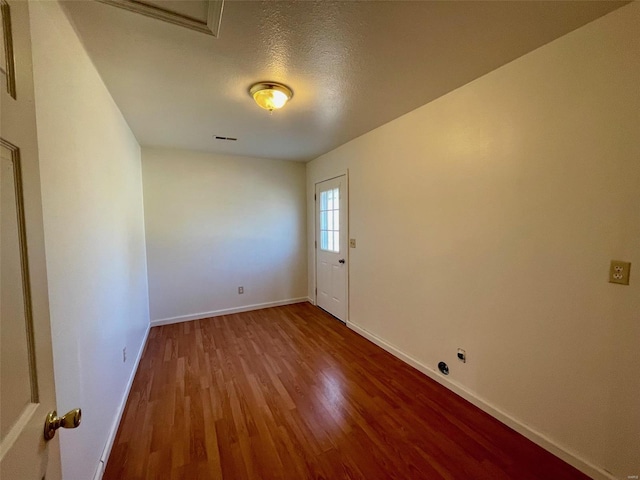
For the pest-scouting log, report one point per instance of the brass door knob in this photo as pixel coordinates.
(53, 422)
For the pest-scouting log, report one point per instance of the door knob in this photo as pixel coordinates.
(54, 422)
(341, 260)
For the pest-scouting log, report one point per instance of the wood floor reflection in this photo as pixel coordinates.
(291, 393)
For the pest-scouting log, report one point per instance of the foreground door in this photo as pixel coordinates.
(26, 368)
(331, 246)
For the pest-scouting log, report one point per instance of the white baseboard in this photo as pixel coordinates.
(539, 438)
(116, 423)
(226, 311)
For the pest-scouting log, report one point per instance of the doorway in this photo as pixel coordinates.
(331, 246)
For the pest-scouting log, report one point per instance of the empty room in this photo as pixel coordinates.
(320, 240)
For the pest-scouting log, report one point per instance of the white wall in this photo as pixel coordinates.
(487, 219)
(94, 236)
(216, 222)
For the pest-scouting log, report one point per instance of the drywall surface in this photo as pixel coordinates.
(214, 223)
(94, 236)
(487, 219)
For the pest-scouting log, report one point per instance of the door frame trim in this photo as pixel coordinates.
(345, 174)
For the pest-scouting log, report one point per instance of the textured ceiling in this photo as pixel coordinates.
(353, 66)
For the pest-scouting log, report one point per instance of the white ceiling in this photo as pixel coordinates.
(353, 66)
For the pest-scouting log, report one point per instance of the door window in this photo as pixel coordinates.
(330, 220)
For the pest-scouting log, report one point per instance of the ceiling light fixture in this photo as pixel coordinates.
(271, 95)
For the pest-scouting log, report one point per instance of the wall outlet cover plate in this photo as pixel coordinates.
(619, 272)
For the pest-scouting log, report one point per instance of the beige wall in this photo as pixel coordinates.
(216, 222)
(487, 219)
(94, 236)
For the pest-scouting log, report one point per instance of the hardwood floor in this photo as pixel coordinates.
(291, 393)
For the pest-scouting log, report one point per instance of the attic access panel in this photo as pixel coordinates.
(200, 15)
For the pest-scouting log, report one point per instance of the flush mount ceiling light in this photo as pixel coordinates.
(270, 95)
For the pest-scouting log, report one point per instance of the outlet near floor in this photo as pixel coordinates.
(462, 355)
(240, 290)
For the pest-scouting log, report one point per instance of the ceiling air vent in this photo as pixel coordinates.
(218, 137)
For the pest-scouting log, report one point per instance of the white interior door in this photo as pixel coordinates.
(26, 366)
(331, 246)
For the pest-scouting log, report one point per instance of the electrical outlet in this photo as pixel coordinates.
(619, 272)
(352, 243)
(240, 290)
(124, 354)
(462, 355)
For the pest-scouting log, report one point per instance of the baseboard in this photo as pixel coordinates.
(539, 438)
(227, 311)
(114, 428)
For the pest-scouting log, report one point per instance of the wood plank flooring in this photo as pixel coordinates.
(291, 393)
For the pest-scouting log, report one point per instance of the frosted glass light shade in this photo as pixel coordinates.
(271, 96)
